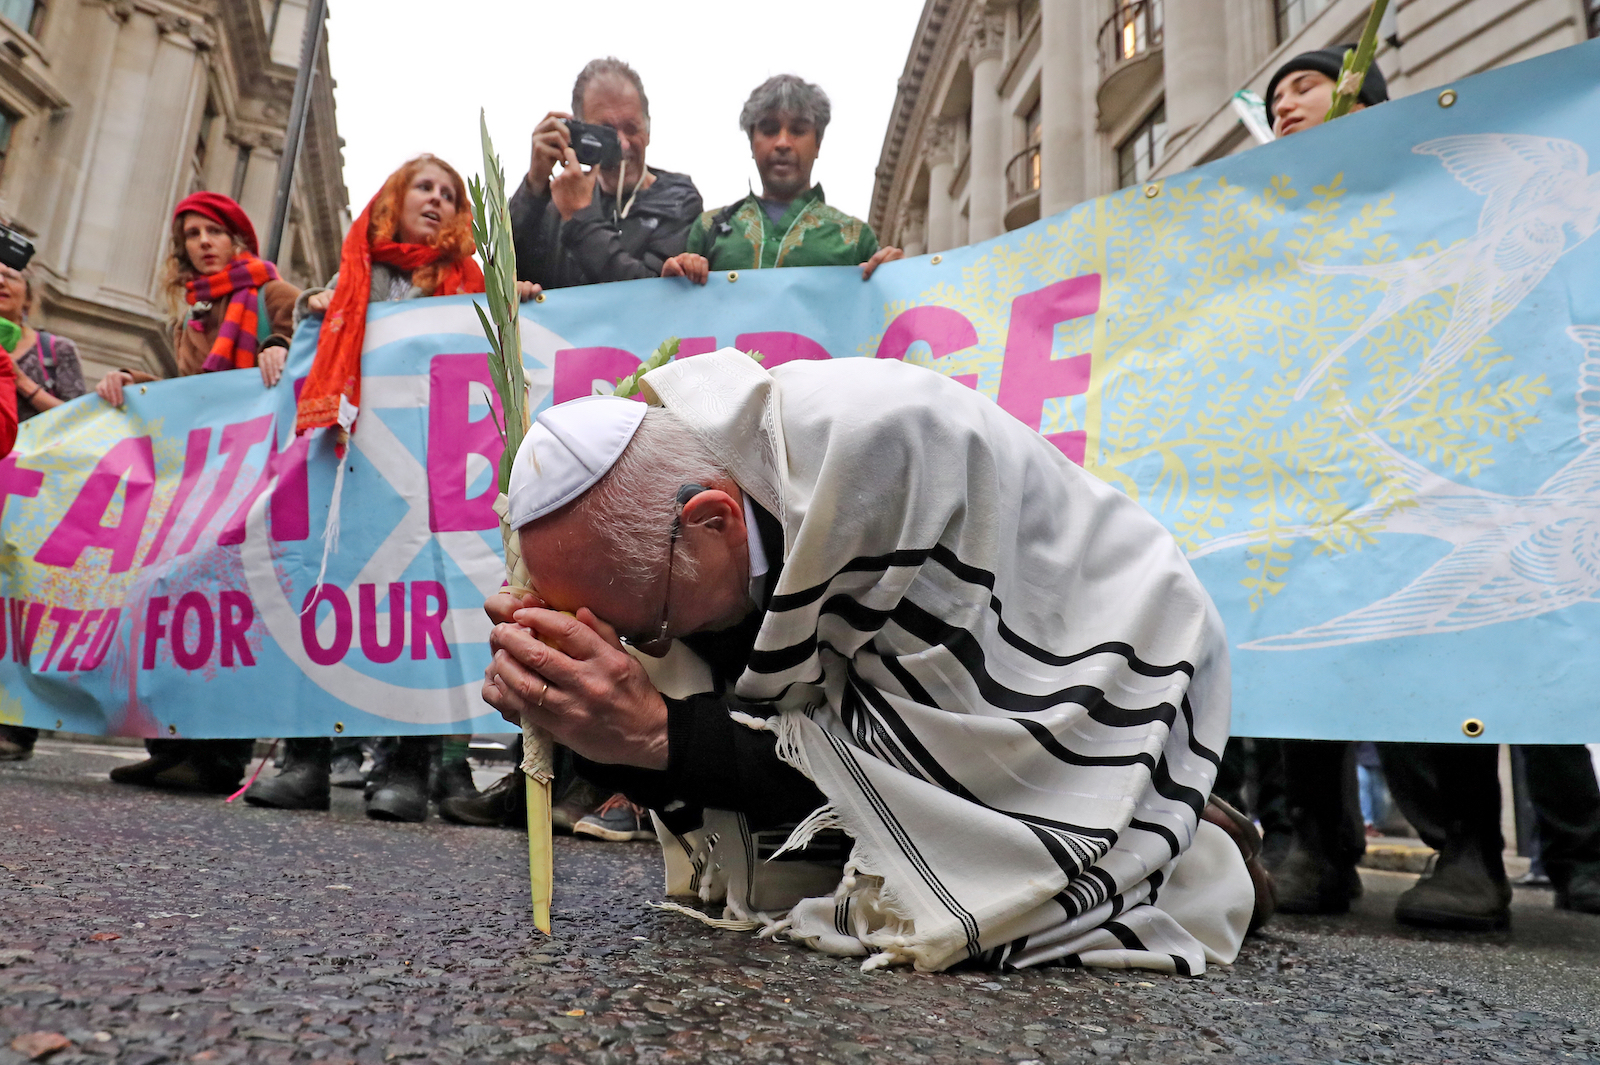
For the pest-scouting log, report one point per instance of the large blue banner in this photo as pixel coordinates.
(1356, 372)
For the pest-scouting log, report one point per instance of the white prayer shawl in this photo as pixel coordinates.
(1001, 673)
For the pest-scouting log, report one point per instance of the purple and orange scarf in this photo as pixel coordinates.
(237, 340)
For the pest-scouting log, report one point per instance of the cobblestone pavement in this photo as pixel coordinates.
(142, 928)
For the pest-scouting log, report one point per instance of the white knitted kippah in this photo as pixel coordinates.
(567, 450)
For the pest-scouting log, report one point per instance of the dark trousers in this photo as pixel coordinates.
(1450, 792)
(224, 754)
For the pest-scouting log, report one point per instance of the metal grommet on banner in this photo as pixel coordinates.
(141, 390)
(936, 260)
(733, 275)
(338, 726)
(1472, 727)
(1152, 190)
(172, 730)
(1447, 98)
(538, 297)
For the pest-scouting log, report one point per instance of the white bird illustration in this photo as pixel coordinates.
(1541, 203)
(1514, 557)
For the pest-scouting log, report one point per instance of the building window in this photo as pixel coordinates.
(1027, 11)
(1138, 156)
(1293, 14)
(24, 13)
(1594, 18)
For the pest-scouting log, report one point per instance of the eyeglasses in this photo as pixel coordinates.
(685, 493)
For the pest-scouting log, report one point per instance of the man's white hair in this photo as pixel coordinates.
(632, 508)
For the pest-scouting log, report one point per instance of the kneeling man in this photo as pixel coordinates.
(896, 677)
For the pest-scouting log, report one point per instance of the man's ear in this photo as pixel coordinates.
(713, 509)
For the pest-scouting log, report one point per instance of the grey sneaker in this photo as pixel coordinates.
(616, 821)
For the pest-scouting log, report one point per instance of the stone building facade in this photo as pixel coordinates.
(1012, 109)
(113, 110)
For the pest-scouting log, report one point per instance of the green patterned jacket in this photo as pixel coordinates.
(810, 233)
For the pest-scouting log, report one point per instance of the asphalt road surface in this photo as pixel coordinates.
(141, 928)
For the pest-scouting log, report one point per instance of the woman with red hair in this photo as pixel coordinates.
(414, 239)
(240, 311)
(240, 315)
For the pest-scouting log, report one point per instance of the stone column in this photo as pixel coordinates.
(987, 182)
(914, 230)
(1061, 105)
(1195, 56)
(941, 172)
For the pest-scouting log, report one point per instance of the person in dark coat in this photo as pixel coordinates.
(574, 226)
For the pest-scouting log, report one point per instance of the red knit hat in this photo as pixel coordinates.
(224, 211)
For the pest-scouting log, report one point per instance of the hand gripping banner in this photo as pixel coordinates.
(1356, 372)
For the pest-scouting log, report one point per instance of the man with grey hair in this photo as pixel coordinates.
(609, 222)
(897, 679)
(788, 224)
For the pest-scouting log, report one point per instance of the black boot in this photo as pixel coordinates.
(505, 802)
(210, 766)
(164, 754)
(302, 784)
(1318, 874)
(453, 780)
(403, 793)
(1466, 889)
(345, 769)
(1581, 889)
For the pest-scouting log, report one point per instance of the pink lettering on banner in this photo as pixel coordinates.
(334, 652)
(81, 528)
(68, 662)
(205, 631)
(235, 614)
(696, 346)
(577, 369)
(427, 625)
(945, 331)
(237, 440)
(100, 645)
(454, 382)
(390, 650)
(155, 627)
(25, 619)
(226, 624)
(779, 348)
(15, 481)
(1029, 376)
(194, 464)
(289, 506)
(64, 619)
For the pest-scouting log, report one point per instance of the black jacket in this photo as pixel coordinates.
(595, 245)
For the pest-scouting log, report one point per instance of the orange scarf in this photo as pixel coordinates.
(332, 393)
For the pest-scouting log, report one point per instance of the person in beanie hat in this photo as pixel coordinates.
(1300, 93)
(239, 316)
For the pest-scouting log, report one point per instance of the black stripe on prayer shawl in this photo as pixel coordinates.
(869, 729)
(973, 575)
(1124, 935)
(866, 564)
(1194, 743)
(750, 859)
(1180, 965)
(841, 915)
(1160, 830)
(1072, 847)
(861, 618)
(903, 840)
(967, 650)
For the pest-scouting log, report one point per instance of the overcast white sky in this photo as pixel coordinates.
(411, 76)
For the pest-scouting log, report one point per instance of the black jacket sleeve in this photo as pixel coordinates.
(713, 761)
(599, 251)
(535, 238)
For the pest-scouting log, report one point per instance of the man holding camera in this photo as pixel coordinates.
(788, 224)
(604, 215)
